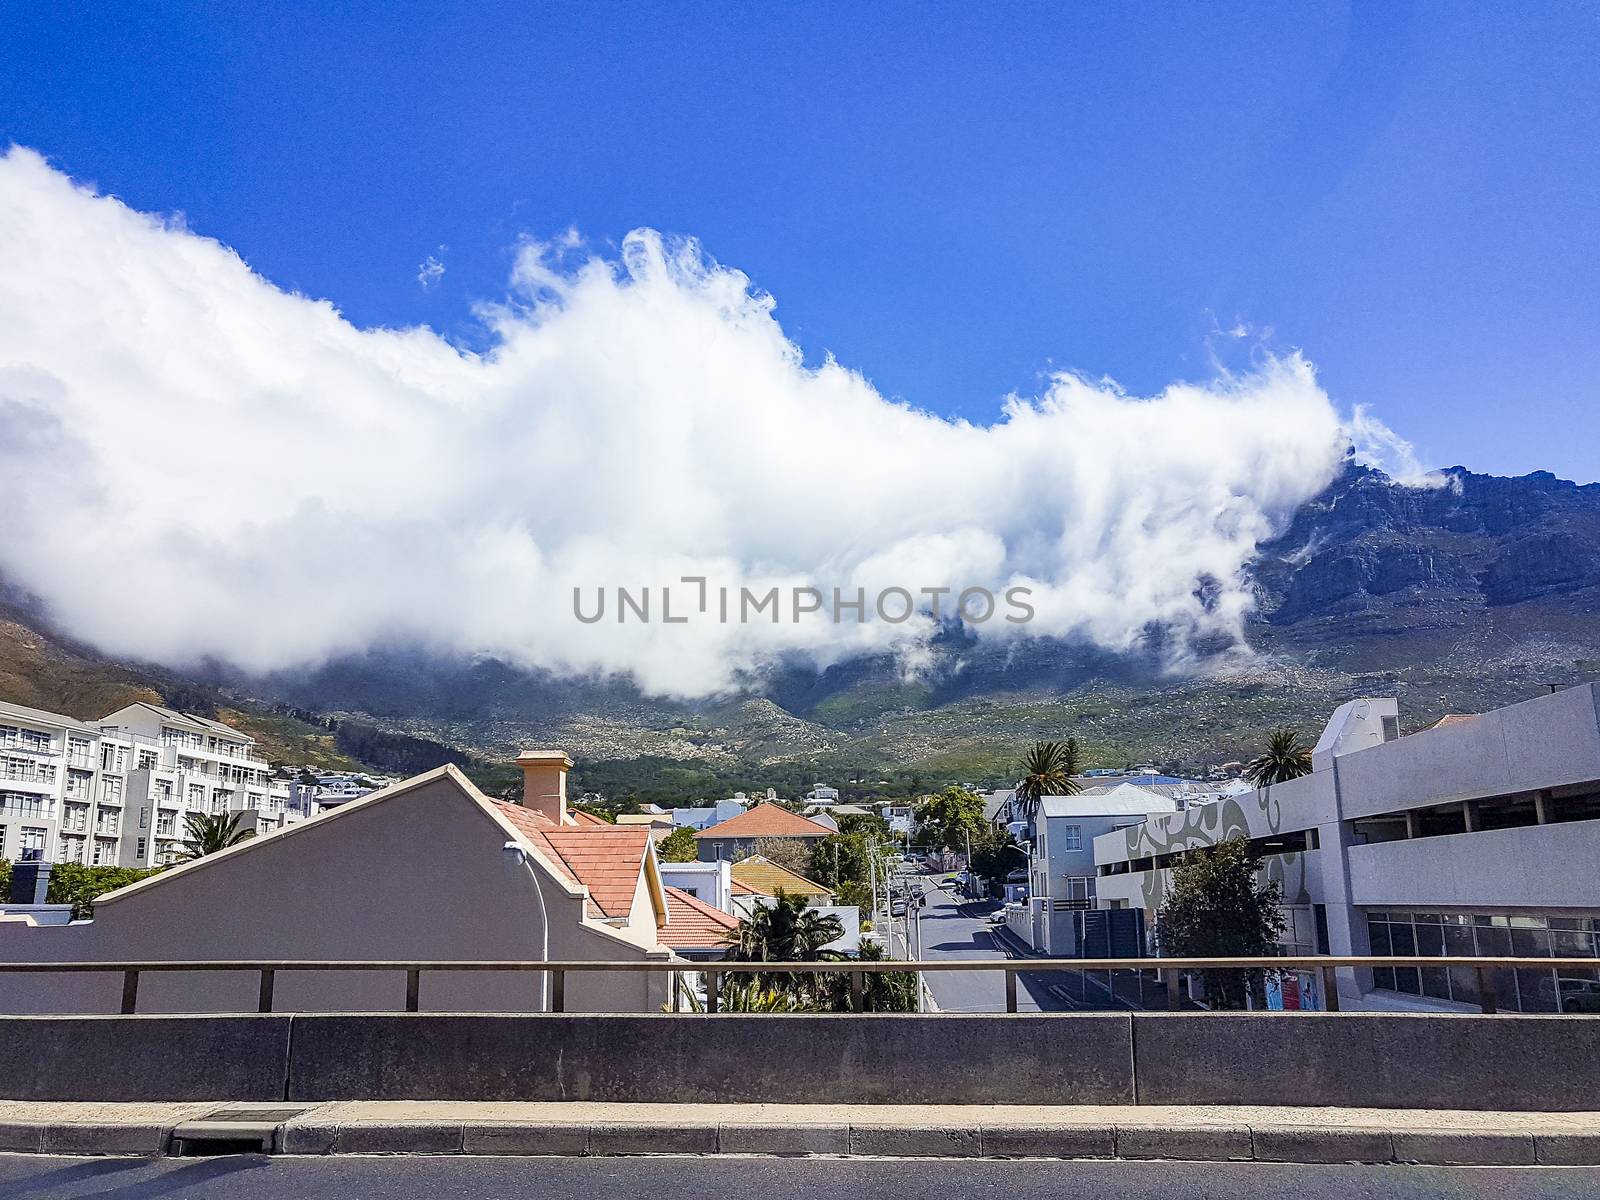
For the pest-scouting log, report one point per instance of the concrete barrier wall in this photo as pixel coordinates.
(1530, 1063)
(1369, 1060)
(799, 1059)
(144, 1058)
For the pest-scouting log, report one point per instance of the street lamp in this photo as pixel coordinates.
(514, 859)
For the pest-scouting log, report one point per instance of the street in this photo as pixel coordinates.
(951, 929)
(256, 1177)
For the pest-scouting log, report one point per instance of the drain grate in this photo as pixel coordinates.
(253, 1115)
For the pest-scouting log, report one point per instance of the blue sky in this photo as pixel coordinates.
(952, 200)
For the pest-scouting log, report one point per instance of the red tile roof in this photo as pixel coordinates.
(692, 924)
(604, 858)
(766, 820)
(579, 817)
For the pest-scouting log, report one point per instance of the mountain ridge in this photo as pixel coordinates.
(1473, 591)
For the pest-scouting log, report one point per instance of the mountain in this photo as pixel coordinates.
(1472, 592)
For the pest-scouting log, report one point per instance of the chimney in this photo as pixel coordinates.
(544, 782)
(30, 878)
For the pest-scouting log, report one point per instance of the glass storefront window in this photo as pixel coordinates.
(1464, 935)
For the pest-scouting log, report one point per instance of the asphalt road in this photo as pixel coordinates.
(951, 929)
(254, 1177)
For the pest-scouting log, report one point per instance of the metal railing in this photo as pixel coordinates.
(1168, 969)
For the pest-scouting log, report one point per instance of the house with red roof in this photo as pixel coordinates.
(736, 838)
(428, 869)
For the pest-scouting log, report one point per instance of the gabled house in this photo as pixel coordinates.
(697, 930)
(736, 838)
(417, 871)
(757, 878)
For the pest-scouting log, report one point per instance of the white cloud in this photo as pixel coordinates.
(194, 463)
(430, 272)
(1379, 447)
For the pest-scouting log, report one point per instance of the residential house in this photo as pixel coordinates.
(696, 930)
(711, 882)
(706, 816)
(417, 871)
(1061, 874)
(736, 838)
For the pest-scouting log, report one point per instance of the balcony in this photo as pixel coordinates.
(43, 776)
(17, 806)
(42, 749)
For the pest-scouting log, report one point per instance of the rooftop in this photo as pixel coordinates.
(604, 858)
(692, 924)
(763, 877)
(765, 820)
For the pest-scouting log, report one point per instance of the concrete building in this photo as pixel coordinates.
(736, 838)
(416, 871)
(118, 792)
(1478, 836)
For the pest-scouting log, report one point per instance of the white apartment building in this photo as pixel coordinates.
(117, 792)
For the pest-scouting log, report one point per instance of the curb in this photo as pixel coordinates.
(1199, 1141)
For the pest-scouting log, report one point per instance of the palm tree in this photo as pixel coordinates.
(206, 835)
(1286, 757)
(1048, 770)
(788, 930)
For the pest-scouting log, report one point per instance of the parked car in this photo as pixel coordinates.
(1579, 995)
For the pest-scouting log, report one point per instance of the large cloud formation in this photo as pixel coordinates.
(196, 464)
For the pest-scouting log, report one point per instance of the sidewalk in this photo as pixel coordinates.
(1294, 1135)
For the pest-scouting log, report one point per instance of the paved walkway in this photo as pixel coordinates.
(1195, 1133)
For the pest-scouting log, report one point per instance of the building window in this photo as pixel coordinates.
(111, 791)
(104, 853)
(1073, 837)
(141, 849)
(1079, 888)
(32, 839)
(1466, 935)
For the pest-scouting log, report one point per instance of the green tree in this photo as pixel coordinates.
(205, 835)
(842, 863)
(995, 854)
(80, 886)
(870, 823)
(1286, 757)
(787, 930)
(881, 991)
(1048, 770)
(1221, 906)
(5, 879)
(678, 846)
(953, 816)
